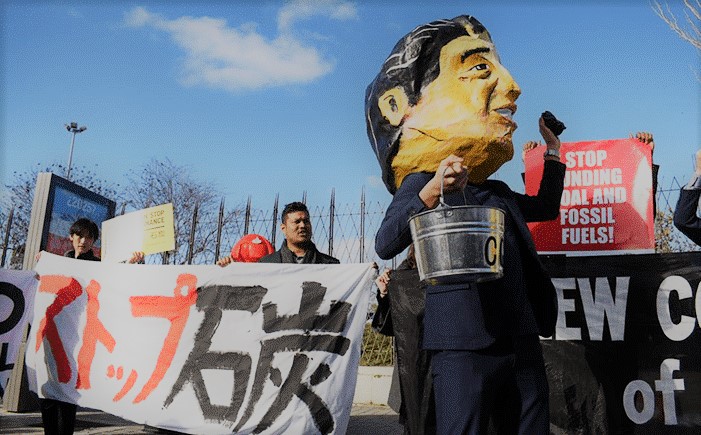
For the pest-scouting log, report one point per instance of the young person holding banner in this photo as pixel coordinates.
(58, 417)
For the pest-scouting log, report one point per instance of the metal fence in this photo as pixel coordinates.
(347, 232)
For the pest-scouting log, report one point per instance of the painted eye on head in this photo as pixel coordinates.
(478, 71)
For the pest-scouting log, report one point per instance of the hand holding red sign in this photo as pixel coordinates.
(607, 201)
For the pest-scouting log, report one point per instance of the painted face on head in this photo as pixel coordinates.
(467, 111)
(81, 244)
(297, 228)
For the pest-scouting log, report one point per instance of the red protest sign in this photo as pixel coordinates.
(607, 201)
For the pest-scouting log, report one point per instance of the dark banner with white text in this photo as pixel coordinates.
(626, 356)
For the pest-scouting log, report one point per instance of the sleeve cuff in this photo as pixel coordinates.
(416, 206)
(694, 183)
(554, 162)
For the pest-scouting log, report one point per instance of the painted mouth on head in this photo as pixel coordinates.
(506, 112)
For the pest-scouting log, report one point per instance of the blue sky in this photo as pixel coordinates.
(261, 97)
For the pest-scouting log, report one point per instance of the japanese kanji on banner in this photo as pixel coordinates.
(606, 206)
(249, 348)
(17, 289)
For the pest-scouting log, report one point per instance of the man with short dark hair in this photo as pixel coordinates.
(298, 246)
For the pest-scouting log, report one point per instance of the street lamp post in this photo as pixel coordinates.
(72, 128)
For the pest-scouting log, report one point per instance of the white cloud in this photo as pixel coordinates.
(139, 17)
(296, 10)
(231, 58)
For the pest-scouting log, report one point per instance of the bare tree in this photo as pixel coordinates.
(161, 182)
(20, 195)
(667, 237)
(691, 30)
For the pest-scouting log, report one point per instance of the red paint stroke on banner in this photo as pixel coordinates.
(66, 290)
(93, 333)
(177, 310)
(131, 380)
(607, 201)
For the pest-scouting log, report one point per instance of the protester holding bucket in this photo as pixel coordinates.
(439, 117)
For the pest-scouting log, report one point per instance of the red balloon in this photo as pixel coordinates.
(251, 248)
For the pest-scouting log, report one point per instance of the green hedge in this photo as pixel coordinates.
(377, 350)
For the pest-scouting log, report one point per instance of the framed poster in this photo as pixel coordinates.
(57, 204)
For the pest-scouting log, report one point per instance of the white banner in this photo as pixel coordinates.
(249, 348)
(17, 289)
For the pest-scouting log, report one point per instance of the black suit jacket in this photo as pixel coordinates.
(462, 316)
(685, 218)
(313, 256)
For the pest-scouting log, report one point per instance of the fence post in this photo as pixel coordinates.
(362, 225)
(220, 224)
(7, 235)
(332, 211)
(274, 226)
(191, 247)
(304, 197)
(248, 216)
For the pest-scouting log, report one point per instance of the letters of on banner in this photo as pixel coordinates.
(249, 348)
(149, 230)
(17, 289)
(607, 201)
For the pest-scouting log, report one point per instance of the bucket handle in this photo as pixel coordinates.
(441, 201)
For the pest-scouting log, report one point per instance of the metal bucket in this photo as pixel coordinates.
(458, 244)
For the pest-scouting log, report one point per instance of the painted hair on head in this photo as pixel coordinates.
(412, 65)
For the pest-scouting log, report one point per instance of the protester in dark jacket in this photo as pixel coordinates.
(643, 136)
(686, 218)
(298, 246)
(400, 312)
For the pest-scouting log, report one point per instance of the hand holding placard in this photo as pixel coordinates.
(146, 231)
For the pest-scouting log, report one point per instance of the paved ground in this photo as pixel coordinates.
(365, 420)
